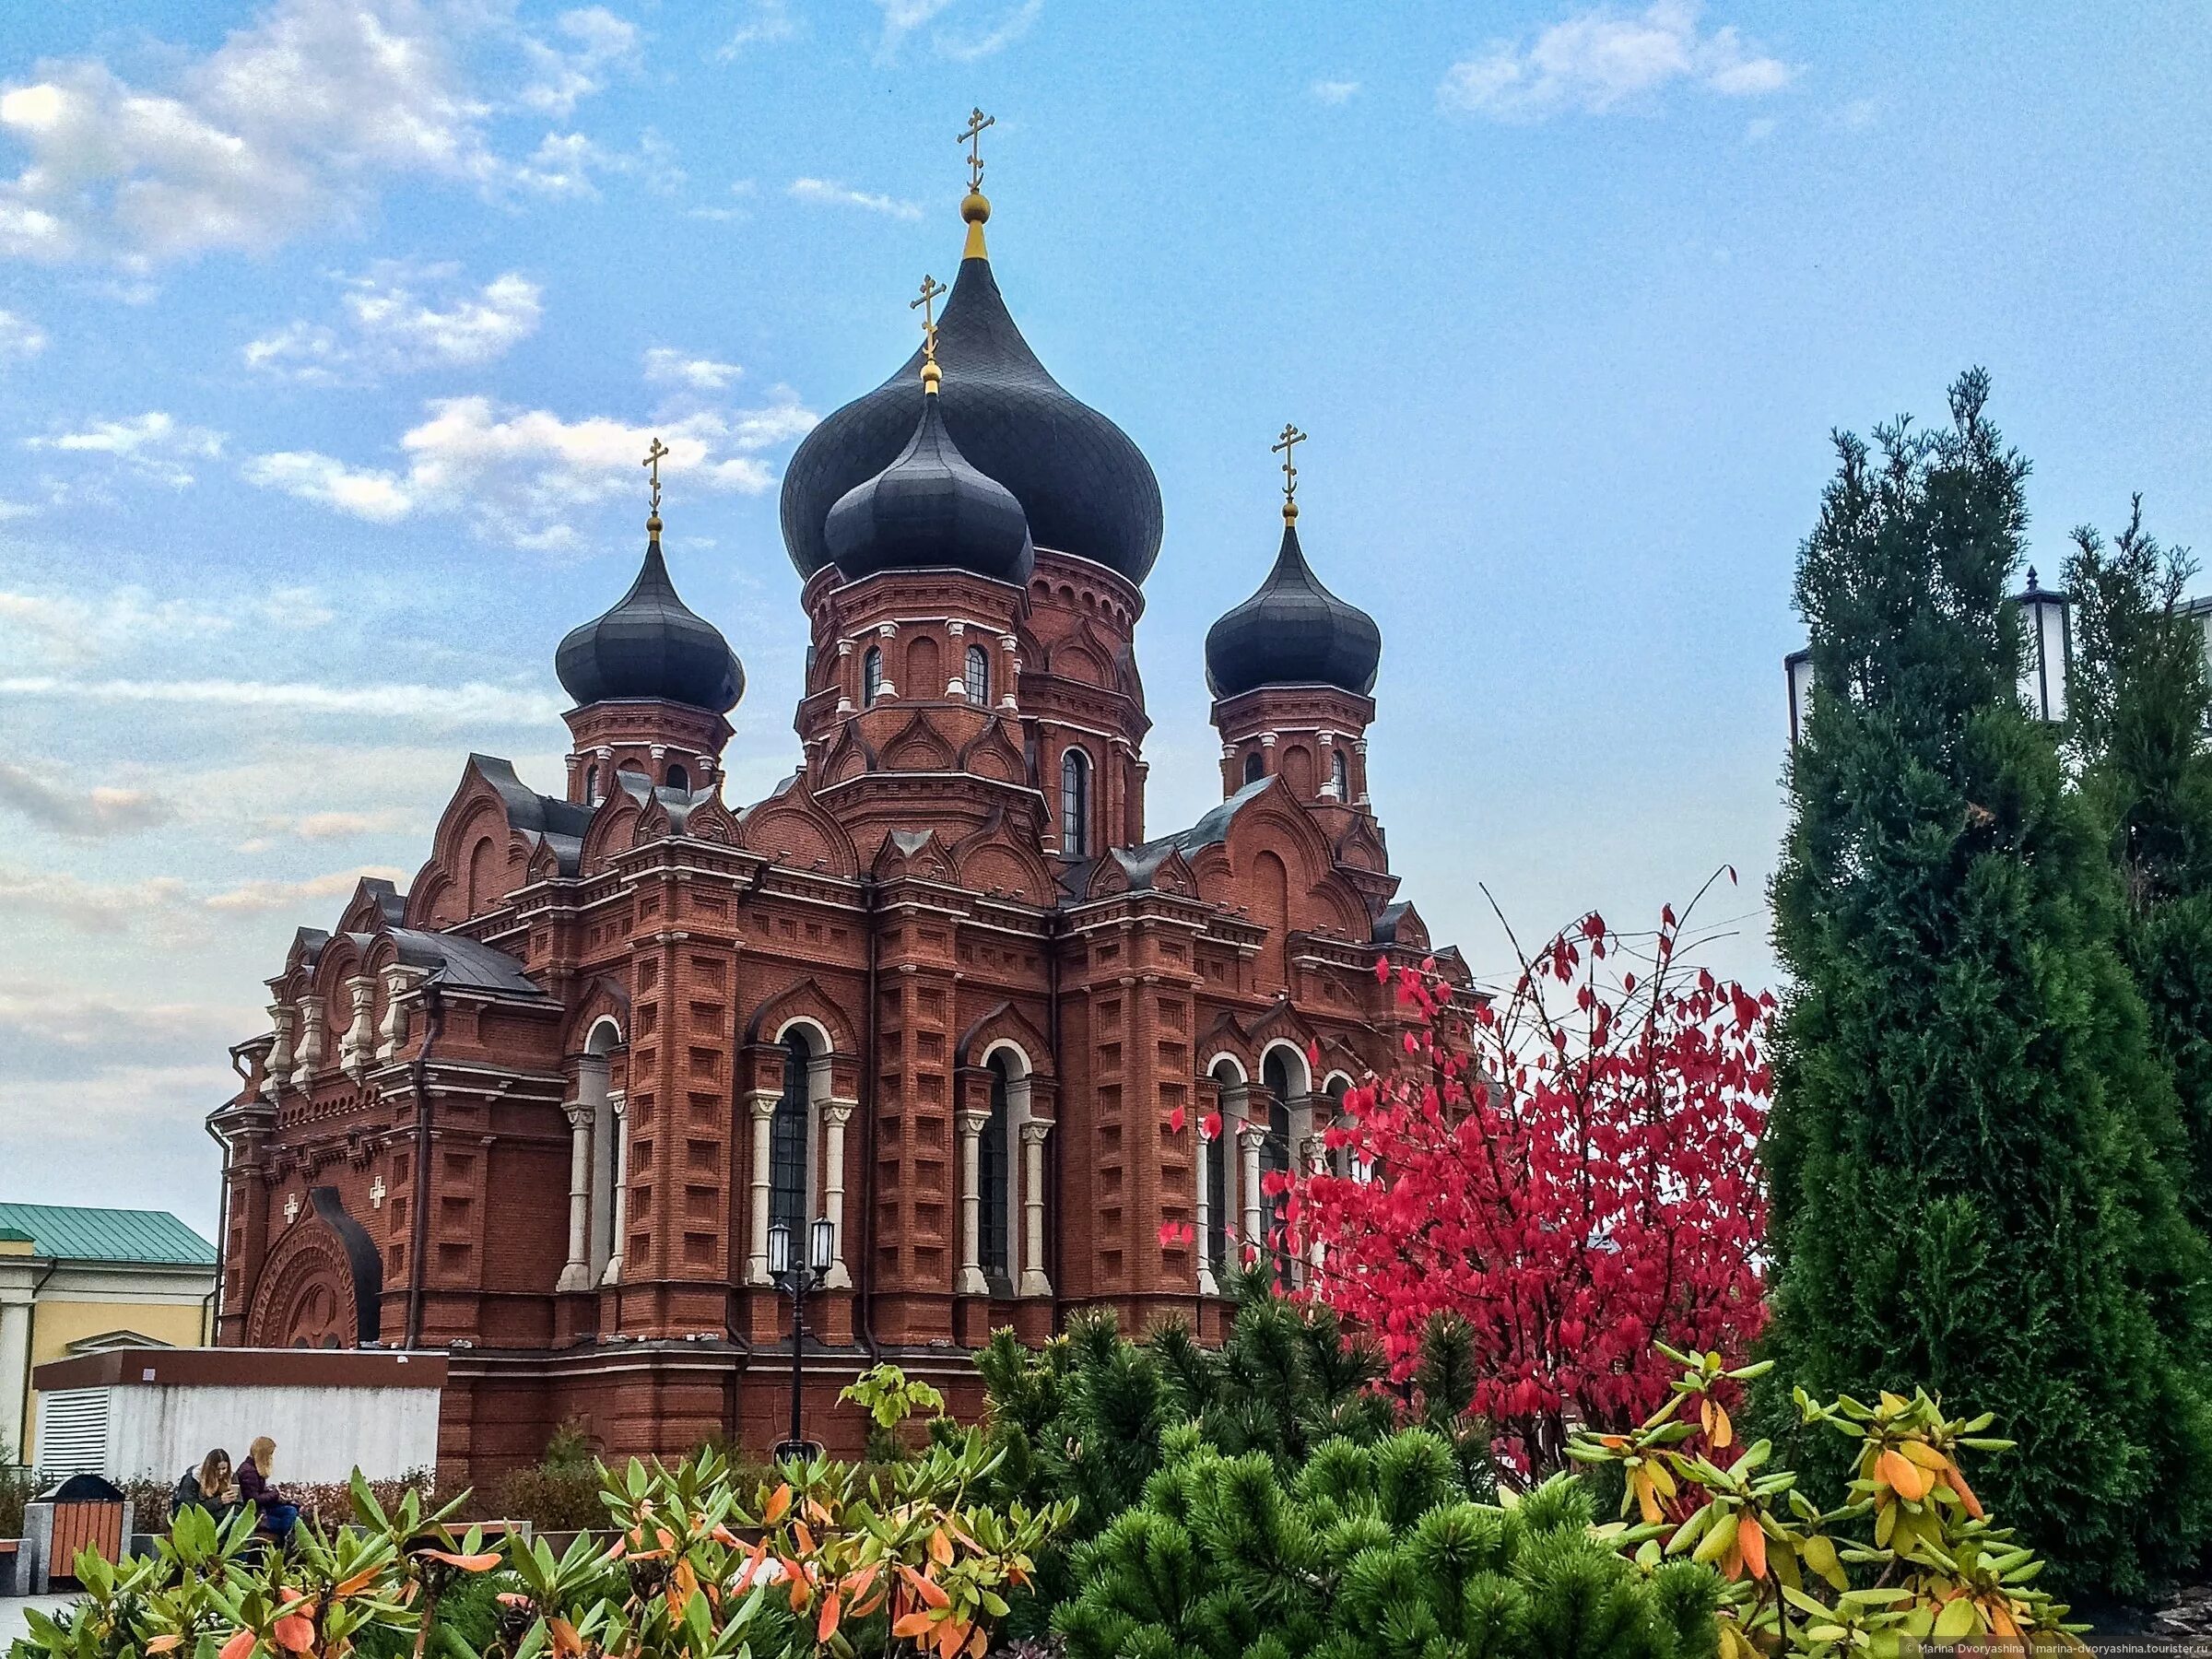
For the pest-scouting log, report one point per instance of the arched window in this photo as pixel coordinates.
(1074, 804)
(996, 1175)
(1274, 1156)
(787, 1143)
(1220, 1226)
(976, 674)
(871, 677)
(678, 777)
(1255, 766)
(591, 784)
(1340, 773)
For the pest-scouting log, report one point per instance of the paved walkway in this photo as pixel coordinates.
(12, 1622)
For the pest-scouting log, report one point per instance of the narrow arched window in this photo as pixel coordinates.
(978, 675)
(591, 784)
(678, 777)
(996, 1166)
(787, 1144)
(871, 677)
(1074, 804)
(1274, 1157)
(1341, 774)
(1255, 766)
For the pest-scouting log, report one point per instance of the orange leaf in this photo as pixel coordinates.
(978, 1644)
(1966, 1493)
(929, 1590)
(752, 1564)
(478, 1563)
(1907, 1478)
(779, 1501)
(1751, 1539)
(358, 1581)
(832, 1608)
(1722, 1432)
(161, 1644)
(687, 1578)
(800, 1588)
(565, 1639)
(806, 1538)
(1647, 1499)
(294, 1635)
(906, 1630)
(952, 1635)
(239, 1646)
(2001, 1622)
(858, 1581)
(1731, 1564)
(940, 1547)
(723, 1534)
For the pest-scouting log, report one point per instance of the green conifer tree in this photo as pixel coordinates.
(1967, 1189)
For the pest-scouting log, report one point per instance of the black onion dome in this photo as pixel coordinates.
(650, 645)
(1293, 633)
(1086, 486)
(929, 509)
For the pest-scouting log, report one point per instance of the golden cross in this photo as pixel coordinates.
(973, 137)
(652, 459)
(1286, 446)
(926, 305)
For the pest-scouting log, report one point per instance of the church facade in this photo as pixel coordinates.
(944, 989)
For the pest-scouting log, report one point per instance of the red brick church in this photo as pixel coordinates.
(943, 988)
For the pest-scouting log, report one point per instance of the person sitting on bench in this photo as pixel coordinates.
(278, 1515)
(212, 1486)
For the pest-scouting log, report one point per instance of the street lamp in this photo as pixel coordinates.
(800, 1278)
(2050, 650)
(1798, 669)
(2202, 610)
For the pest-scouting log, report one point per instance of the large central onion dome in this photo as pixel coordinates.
(930, 510)
(651, 645)
(1293, 633)
(1085, 488)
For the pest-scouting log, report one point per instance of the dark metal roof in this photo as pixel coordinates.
(1141, 863)
(930, 510)
(1293, 633)
(464, 963)
(1087, 489)
(650, 645)
(70, 1233)
(560, 824)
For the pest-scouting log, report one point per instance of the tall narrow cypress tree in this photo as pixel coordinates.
(1965, 1193)
(2140, 708)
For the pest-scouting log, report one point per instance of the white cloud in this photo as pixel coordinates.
(77, 1018)
(19, 337)
(566, 164)
(87, 906)
(59, 803)
(600, 41)
(665, 366)
(290, 123)
(398, 318)
(1334, 91)
(1598, 61)
(444, 707)
(155, 445)
(835, 194)
(77, 628)
(520, 474)
(767, 21)
(1015, 23)
(328, 826)
(253, 897)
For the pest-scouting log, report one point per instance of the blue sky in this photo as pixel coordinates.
(330, 330)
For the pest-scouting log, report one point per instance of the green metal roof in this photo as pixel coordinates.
(71, 1233)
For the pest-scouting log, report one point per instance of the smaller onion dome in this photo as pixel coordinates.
(650, 645)
(1293, 632)
(930, 510)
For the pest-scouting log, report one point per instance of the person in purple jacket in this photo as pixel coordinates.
(278, 1515)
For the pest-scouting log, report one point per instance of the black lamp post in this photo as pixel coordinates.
(801, 1279)
(2050, 650)
(1798, 667)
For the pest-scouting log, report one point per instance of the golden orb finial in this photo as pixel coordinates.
(975, 207)
(1286, 447)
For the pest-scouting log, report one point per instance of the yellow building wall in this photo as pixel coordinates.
(55, 1325)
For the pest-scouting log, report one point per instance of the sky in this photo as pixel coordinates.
(332, 331)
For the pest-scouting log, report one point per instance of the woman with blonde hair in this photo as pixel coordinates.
(278, 1515)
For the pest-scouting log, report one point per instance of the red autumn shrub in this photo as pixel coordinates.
(1570, 1167)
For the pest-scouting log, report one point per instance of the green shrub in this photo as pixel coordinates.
(1373, 1550)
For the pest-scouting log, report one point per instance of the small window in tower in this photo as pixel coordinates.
(1255, 766)
(591, 784)
(871, 677)
(1340, 773)
(978, 675)
(1074, 804)
(678, 777)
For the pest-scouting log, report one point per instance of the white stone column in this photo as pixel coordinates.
(970, 1280)
(397, 978)
(1249, 1136)
(311, 1041)
(836, 1114)
(358, 1044)
(277, 1070)
(577, 1274)
(1034, 1280)
(613, 1276)
(1206, 1287)
(762, 1103)
(15, 1365)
